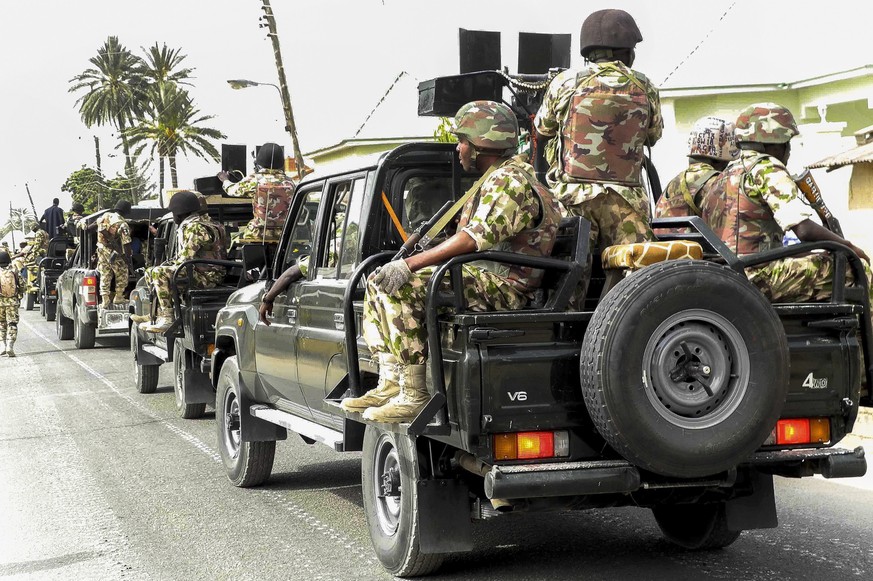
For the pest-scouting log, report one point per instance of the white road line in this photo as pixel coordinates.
(289, 505)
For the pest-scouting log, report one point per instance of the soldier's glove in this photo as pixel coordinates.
(392, 276)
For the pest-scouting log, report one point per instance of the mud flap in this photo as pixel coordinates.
(198, 387)
(757, 511)
(254, 429)
(445, 525)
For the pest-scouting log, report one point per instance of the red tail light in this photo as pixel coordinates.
(89, 290)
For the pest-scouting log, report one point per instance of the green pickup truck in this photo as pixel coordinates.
(677, 388)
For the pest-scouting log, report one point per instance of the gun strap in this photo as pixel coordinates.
(438, 226)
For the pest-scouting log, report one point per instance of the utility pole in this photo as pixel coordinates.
(290, 127)
(12, 230)
(99, 173)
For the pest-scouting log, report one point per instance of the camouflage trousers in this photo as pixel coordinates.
(109, 271)
(158, 278)
(395, 323)
(9, 319)
(613, 221)
(802, 279)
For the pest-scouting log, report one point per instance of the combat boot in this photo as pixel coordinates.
(9, 351)
(406, 405)
(106, 302)
(137, 319)
(3, 352)
(388, 387)
(161, 324)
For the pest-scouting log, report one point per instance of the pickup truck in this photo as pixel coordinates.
(188, 344)
(677, 388)
(78, 286)
(50, 268)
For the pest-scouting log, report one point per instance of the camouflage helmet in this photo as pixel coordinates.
(611, 28)
(766, 123)
(4, 257)
(713, 138)
(487, 125)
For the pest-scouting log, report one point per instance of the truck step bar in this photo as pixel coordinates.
(298, 425)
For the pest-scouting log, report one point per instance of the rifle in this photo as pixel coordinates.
(806, 184)
(424, 234)
(29, 197)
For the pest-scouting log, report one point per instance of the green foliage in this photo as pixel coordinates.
(90, 189)
(20, 220)
(443, 132)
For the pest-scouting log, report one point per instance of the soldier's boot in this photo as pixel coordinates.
(161, 324)
(106, 302)
(406, 405)
(3, 343)
(388, 387)
(10, 352)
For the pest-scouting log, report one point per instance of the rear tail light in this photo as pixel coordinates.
(531, 445)
(795, 431)
(89, 290)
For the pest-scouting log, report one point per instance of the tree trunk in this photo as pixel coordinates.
(174, 178)
(128, 162)
(161, 179)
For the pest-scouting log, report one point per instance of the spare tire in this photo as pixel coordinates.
(684, 368)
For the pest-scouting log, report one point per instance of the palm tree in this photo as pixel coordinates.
(161, 65)
(172, 126)
(116, 91)
(19, 219)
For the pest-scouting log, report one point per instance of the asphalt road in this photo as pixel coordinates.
(100, 482)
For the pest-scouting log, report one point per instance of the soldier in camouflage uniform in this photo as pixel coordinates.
(598, 121)
(271, 191)
(11, 291)
(113, 254)
(755, 201)
(510, 210)
(74, 216)
(198, 236)
(711, 146)
(36, 246)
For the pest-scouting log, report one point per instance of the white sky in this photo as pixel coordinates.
(341, 56)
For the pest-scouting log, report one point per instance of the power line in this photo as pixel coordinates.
(699, 44)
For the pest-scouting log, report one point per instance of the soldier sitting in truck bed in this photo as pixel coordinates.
(199, 237)
(508, 210)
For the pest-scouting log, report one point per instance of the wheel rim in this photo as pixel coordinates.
(231, 424)
(696, 369)
(133, 349)
(179, 368)
(386, 486)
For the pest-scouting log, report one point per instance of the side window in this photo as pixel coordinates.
(422, 198)
(341, 235)
(300, 238)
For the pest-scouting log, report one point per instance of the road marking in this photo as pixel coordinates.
(286, 503)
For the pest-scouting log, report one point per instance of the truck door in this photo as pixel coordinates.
(275, 350)
(320, 333)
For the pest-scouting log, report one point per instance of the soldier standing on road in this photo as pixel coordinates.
(113, 253)
(599, 120)
(198, 236)
(271, 191)
(11, 291)
(711, 146)
(509, 211)
(755, 201)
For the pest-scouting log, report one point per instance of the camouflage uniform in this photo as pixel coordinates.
(684, 193)
(506, 214)
(271, 192)
(750, 207)
(9, 309)
(602, 117)
(198, 237)
(113, 234)
(37, 247)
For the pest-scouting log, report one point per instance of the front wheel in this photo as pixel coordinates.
(145, 377)
(389, 480)
(695, 526)
(246, 463)
(187, 411)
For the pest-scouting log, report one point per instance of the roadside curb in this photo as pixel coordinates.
(864, 423)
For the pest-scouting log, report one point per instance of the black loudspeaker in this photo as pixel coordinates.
(443, 96)
(233, 161)
(208, 186)
(537, 53)
(479, 50)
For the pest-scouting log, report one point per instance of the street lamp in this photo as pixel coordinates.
(289, 117)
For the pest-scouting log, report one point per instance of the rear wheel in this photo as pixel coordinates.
(695, 526)
(389, 481)
(246, 463)
(145, 377)
(64, 327)
(186, 411)
(684, 368)
(83, 334)
(51, 309)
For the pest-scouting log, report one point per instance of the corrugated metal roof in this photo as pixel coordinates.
(863, 153)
